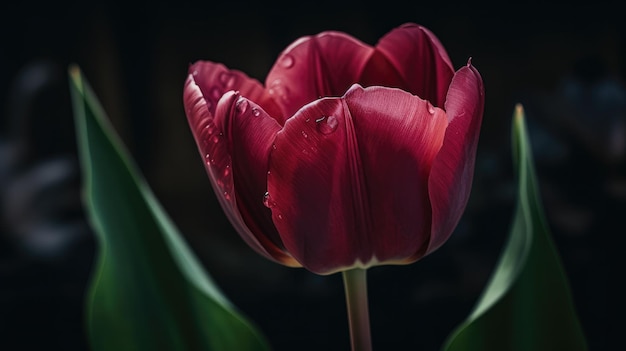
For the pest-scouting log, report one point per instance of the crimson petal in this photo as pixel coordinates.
(348, 180)
(452, 173)
(232, 136)
(317, 66)
(411, 58)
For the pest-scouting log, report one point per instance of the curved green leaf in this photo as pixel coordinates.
(148, 291)
(527, 304)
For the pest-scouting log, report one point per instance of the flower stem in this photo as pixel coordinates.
(355, 285)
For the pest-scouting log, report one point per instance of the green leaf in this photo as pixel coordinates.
(148, 291)
(527, 304)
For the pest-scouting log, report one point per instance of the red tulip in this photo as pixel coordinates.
(315, 170)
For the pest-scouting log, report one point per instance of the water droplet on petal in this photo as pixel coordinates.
(256, 112)
(274, 146)
(431, 108)
(327, 125)
(226, 195)
(242, 105)
(278, 89)
(287, 61)
(280, 216)
(227, 171)
(267, 201)
(216, 93)
(195, 72)
(304, 134)
(227, 79)
(207, 132)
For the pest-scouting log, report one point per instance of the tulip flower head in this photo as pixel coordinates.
(350, 155)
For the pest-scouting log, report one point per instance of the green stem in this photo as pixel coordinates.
(355, 284)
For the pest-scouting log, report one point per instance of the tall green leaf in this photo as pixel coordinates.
(527, 304)
(148, 291)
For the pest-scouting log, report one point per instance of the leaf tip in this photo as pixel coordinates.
(75, 74)
(519, 112)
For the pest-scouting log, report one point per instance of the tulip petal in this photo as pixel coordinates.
(317, 66)
(452, 173)
(214, 80)
(348, 178)
(411, 58)
(230, 136)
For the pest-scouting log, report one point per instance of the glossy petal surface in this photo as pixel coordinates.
(349, 177)
(451, 178)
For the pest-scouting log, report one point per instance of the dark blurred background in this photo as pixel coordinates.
(565, 63)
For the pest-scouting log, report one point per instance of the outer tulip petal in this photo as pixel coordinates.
(317, 66)
(348, 181)
(214, 79)
(228, 136)
(452, 173)
(417, 57)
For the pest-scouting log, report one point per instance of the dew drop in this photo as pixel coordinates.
(274, 146)
(195, 72)
(216, 93)
(207, 156)
(242, 105)
(304, 134)
(267, 200)
(215, 139)
(308, 120)
(278, 89)
(256, 112)
(208, 131)
(431, 108)
(287, 61)
(327, 125)
(227, 171)
(227, 79)
(280, 216)
(226, 195)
